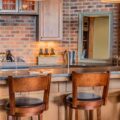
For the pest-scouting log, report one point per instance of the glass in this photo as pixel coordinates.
(28, 5)
(16, 66)
(9, 4)
(116, 60)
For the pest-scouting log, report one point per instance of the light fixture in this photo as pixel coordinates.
(111, 1)
(35, 0)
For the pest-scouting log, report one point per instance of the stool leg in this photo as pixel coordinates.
(13, 118)
(99, 114)
(39, 117)
(86, 115)
(67, 112)
(90, 114)
(31, 118)
(70, 113)
(76, 114)
(7, 117)
(18, 118)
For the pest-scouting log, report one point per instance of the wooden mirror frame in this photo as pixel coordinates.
(80, 40)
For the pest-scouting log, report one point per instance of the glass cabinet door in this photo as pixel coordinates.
(18, 6)
(8, 5)
(28, 6)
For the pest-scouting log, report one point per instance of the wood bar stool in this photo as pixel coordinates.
(86, 100)
(18, 107)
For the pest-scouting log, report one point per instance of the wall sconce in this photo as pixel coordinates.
(111, 1)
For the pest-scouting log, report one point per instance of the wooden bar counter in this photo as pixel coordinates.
(60, 86)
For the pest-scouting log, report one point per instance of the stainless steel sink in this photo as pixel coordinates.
(13, 65)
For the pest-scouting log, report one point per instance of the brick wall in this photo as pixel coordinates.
(18, 32)
(78, 6)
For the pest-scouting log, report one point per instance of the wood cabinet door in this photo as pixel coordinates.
(50, 20)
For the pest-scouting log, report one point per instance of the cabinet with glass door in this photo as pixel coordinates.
(8, 5)
(18, 6)
(28, 6)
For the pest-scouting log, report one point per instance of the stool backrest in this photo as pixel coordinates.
(91, 79)
(29, 84)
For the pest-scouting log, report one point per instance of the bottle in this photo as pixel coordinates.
(115, 60)
(52, 52)
(65, 57)
(41, 52)
(46, 51)
(9, 56)
(73, 57)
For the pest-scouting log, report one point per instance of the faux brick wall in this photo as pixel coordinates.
(18, 33)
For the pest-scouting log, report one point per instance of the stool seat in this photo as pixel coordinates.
(82, 96)
(27, 102)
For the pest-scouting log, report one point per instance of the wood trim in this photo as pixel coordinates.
(91, 38)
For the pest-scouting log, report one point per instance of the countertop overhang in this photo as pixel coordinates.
(56, 71)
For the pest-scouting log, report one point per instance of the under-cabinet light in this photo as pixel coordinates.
(35, 0)
(111, 1)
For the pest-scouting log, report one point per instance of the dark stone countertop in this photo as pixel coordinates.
(23, 65)
(56, 71)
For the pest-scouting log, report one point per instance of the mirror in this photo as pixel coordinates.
(95, 35)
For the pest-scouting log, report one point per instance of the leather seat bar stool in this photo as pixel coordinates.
(18, 107)
(86, 100)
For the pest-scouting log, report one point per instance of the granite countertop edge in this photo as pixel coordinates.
(23, 76)
(113, 70)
